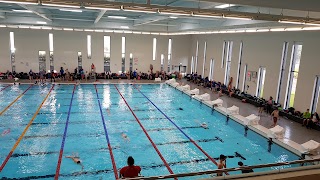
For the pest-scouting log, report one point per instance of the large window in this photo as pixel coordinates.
(239, 65)
(228, 56)
(12, 52)
(260, 82)
(123, 54)
(79, 60)
(51, 51)
(211, 70)
(154, 49)
(204, 58)
(169, 54)
(192, 65)
(131, 62)
(162, 62)
(89, 46)
(282, 68)
(315, 94)
(245, 72)
(106, 52)
(42, 60)
(293, 74)
(223, 53)
(196, 61)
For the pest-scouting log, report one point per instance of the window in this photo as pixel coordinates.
(162, 61)
(42, 60)
(239, 65)
(131, 62)
(106, 52)
(223, 53)
(123, 54)
(260, 81)
(245, 71)
(79, 60)
(293, 75)
(211, 70)
(51, 51)
(204, 58)
(192, 65)
(315, 94)
(196, 63)
(154, 49)
(89, 46)
(169, 54)
(282, 68)
(12, 52)
(228, 62)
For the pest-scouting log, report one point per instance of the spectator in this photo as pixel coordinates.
(30, 75)
(246, 170)
(269, 105)
(310, 122)
(62, 74)
(92, 67)
(306, 116)
(131, 170)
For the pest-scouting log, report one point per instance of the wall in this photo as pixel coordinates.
(265, 49)
(67, 44)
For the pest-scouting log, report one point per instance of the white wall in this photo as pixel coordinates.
(265, 49)
(66, 44)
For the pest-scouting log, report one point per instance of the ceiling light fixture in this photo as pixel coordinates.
(124, 27)
(140, 11)
(312, 24)
(35, 27)
(46, 28)
(239, 18)
(102, 8)
(206, 16)
(79, 30)
(311, 28)
(251, 30)
(24, 27)
(293, 29)
(222, 6)
(18, 2)
(277, 29)
(41, 22)
(175, 13)
(291, 22)
(68, 29)
(60, 5)
(263, 30)
(22, 11)
(173, 17)
(117, 17)
(71, 10)
(56, 28)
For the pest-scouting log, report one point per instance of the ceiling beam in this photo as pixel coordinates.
(101, 13)
(149, 20)
(35, 12)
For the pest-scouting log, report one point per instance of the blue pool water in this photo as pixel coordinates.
(89, 130)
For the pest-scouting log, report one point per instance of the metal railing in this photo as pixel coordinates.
(210, 172)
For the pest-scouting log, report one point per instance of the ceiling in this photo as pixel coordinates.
(161, 16)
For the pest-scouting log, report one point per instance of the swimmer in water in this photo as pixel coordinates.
(5, 132)
(108, 111)
(76, 159)
(180, 108)
(204, 125)
(125, 137)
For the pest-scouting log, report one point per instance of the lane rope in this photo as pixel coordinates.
(5, 109)
(5, 87)
(146, 133)
(205, 153)
(107, 137)
(24, 131)
(64, 137)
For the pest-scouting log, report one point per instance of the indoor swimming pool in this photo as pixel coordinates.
(40, 125)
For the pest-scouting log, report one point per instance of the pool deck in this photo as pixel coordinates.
(293, 131)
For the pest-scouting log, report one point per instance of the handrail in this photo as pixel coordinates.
(224, 170)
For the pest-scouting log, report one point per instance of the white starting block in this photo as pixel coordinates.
(276, 132)
(233, 110)
(252, 120)
(217, 102)
(192, 92)
(202, 97)
(175, 84)
(170, 81)
(184, 88)
(311, 147)
(157, 79)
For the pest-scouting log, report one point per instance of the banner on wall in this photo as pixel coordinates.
(135, 60)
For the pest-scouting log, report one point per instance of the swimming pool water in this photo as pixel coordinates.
(36, 156)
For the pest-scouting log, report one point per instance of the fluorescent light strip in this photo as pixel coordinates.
(239, 18)
(98, 30)
(60, 5)
(88, 30)
(68, 29)
(311, 28)
(3, 25)
(277, 29)
(22, 11)
(222, 6)
(124, 27)
(18, 2)
(46, 28)
(293, 29)
(41, 22)
(173, 17)
(290, 22)
(140, 11)
(127, 32)
(71, 10)
(206, 16)
(175, 14)
(251, 30)
(312, 24)
(56, 28)
(108, 31)
(35, 27)
(24, 27)
(78, 29)
(101, 8)
(117, 17)
(263, 30)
